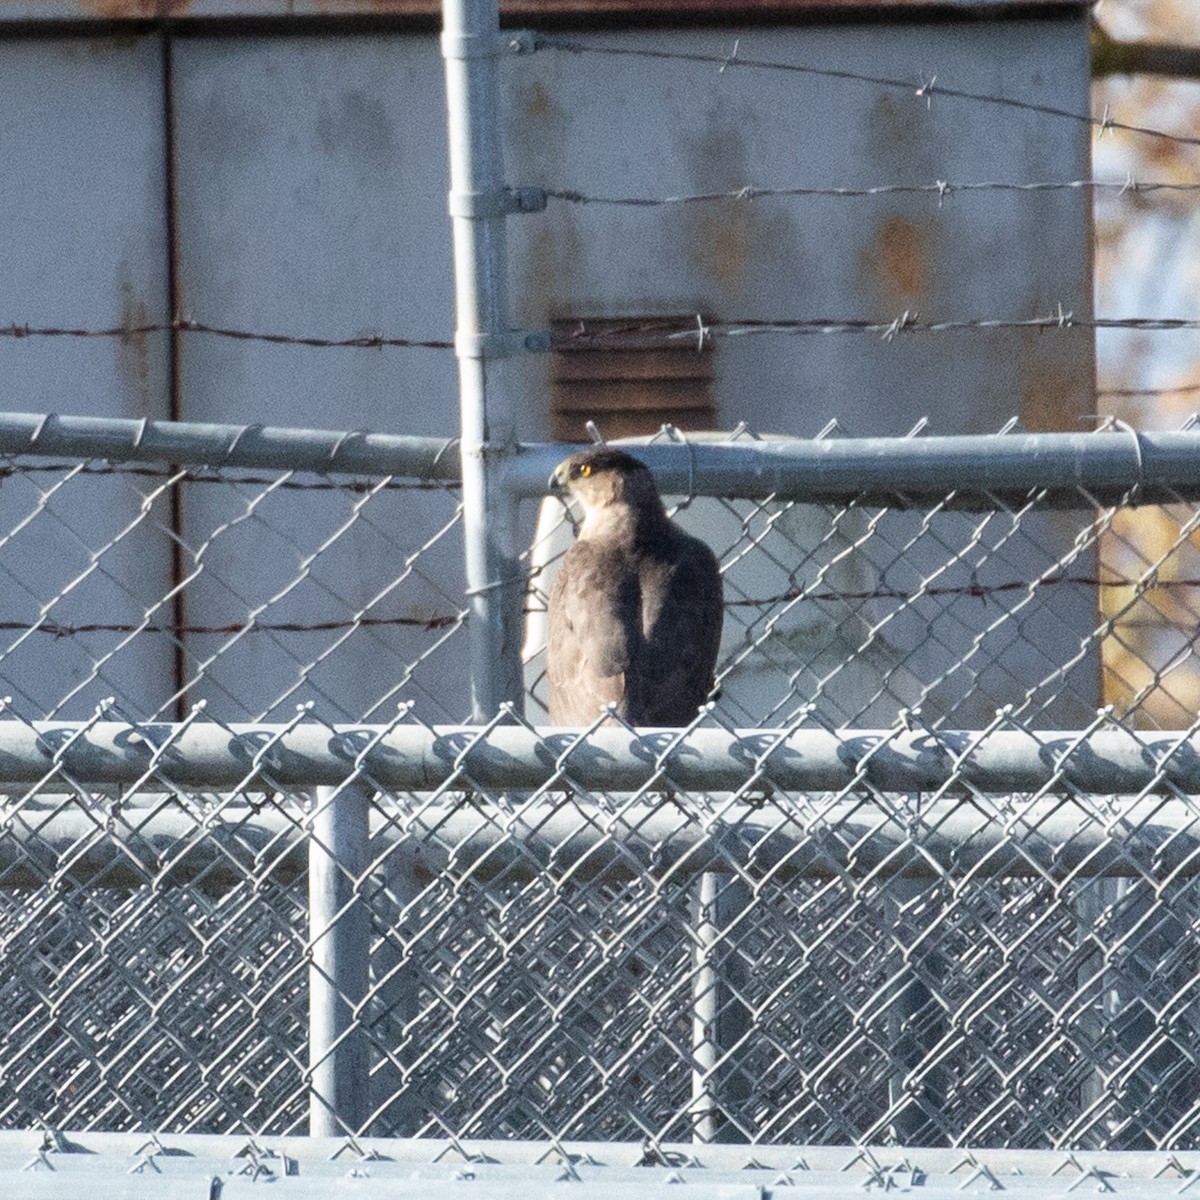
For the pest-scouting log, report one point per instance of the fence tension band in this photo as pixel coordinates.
(500, 203)
(468, 46)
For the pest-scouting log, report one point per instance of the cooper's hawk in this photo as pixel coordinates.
(636, 606)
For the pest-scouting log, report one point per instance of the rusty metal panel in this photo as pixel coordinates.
(312, 185)
(632, 128)
(82, 223)
(82, 245)
(108, 10)
(312, 201)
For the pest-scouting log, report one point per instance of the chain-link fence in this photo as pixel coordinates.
(875, 893)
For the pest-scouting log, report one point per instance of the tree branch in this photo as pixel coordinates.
(1113, 57)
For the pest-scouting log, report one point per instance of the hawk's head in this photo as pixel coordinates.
(603, 477)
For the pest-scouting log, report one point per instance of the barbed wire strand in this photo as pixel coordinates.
(445, 620)
(213, 475)
(187, 325)
(637, 335)
(925, 90)
(655, 332)
(1127, 393)
(941, 188)
(911, 323)
(974, 590)
(57, 630)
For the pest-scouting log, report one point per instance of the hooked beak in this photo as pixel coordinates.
(557, 482)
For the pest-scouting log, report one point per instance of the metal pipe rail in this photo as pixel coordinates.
(878, 806)
(1073, 469)
(41, 755)
(118, 439)
(437, 1160)
(1055, 839)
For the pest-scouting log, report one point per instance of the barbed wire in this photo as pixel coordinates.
(636, 335)
(1126, 393)
(653, 333)
(56, 630)
(214, 475)
(911, 323)
(941, 188)
(974, 590)
(446, 620)
(187, 325)
(925, 89)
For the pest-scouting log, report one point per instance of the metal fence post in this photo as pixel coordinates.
(720, 1019)
(479, 201)
(339, 936)
(396, 1103)
(916, 1090)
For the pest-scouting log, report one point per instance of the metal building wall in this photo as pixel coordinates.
(82, 245)
(309, 186)
(626, 127)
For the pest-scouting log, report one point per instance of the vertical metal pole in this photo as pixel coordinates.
(1124, 984)
(339, 935)
(1099, 903)
(396, 1103)
(175, 302)
(471, 46)
(720, 1019)
(705, 1007)
(913, 1024)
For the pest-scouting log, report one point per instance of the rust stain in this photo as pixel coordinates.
(133, 349)
(142, 9)
(1052, 398)
(556, 252)
(725, 250)
(115, 10)
(730, 244)
(536, 101)
(896, 260)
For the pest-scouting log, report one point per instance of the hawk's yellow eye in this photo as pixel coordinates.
(586, 469)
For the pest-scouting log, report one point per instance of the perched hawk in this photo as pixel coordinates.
(635, 609)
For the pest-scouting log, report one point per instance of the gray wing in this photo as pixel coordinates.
(683, 609)
(594, 632)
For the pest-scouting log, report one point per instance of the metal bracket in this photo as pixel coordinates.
(499, 203)
(501, 345)
(507, 41)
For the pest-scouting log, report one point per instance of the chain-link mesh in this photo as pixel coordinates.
(963, 962)
(251, 591)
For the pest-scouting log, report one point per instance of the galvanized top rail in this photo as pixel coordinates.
(418, 757)
(194, 444)
(1070, 469)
